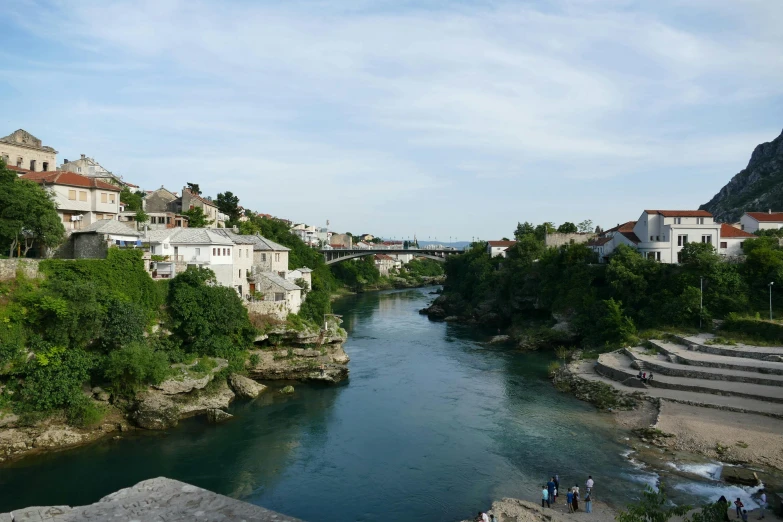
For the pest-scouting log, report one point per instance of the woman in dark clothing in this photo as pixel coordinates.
(576, 499)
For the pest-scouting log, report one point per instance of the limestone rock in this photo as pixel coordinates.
(155, 411)
(57, 438)
(245, 387)
(185, 383)
(196, 404)
(498, 339)
(100, 394)
(287, 390)
(8, 420)
(216, 416)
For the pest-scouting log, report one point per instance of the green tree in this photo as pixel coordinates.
(585, 226)
(228, 204)
(221, 327)
(134, 366)
(524, 229)
(142, 217)
(567, 228)
(197, 218)
(543, 229)
(715, 512)
(133, 200)
(28, 215)
(652, 507)
(194, 188)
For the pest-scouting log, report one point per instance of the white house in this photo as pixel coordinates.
(731, 240)
(304, 273)
(180, 247)
(385, 264)
(607, 241)
(753, 221)
(498, 248)
(80, 200)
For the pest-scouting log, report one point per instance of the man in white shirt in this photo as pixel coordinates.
(484, 517)
(589, 484)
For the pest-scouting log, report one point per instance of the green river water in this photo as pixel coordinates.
(433, 425)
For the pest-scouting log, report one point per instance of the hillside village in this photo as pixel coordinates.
(175, 228)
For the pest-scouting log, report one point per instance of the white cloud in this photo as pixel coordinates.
(388, 101)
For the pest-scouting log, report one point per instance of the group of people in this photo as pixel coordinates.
(551, 491)
(644, 377)
(740, 507)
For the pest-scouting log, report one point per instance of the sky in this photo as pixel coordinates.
(394, 117)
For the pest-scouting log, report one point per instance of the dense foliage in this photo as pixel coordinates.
(91, 321)
(606, 303)
(28, 216)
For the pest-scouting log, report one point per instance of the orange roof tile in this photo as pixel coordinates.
(501, 243)
(766, 216)
(730, 231)
(70, 179)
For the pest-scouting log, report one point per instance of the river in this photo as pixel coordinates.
(433, 424)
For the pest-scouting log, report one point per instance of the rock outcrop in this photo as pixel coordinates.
(244, 387)
(186, 381)
(757, 188)
(155, 499)
(216, 416)
(156, 410)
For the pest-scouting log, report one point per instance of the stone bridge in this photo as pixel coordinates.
(338, 255)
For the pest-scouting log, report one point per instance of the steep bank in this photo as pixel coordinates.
(284, 353)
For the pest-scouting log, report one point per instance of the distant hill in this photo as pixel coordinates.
(757, 188)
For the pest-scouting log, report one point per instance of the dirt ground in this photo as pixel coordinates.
(642, 417)
(724, 435)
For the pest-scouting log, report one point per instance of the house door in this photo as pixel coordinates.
(252, 288)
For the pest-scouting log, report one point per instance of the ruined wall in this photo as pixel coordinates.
(557, 239)
(8, 268)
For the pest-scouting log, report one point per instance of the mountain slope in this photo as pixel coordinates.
(757, 188)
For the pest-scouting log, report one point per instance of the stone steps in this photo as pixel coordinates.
(617, 366)
(682, 355)
(587, 370)
(745, 351)
(659, 366)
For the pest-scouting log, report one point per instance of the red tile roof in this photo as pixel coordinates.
(633, 238)
(18, 170)
(625, 227)
(766, 216)
(70, 179)
(680, 213)
(383, 257)
(730, 231)
(501, 243)
(599, 241)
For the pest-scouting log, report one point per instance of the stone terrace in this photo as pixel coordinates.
(736, 378)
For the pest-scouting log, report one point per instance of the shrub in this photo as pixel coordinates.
(54, 377)
(135, 366)
(83, 412)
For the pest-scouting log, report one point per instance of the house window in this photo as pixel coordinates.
(168, 220)
(72, 195)
(229, 251)
(198, 251)
(277, 257)
(678, 221)
(263, 258)
(279, 296)
(651, 238)
(45, 166)
(165, 246)
(32, 165)
(19, 162)
(240, 272)
(699, 221)
(679, 257)
(82, 195)
(742, 227)
(682, 240)
(111, 199)
(724, 244)
(104, 197)
(657, 238)
(213, 252)
(706, 239)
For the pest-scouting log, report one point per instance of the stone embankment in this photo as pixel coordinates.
(155, 499)
(282, 353)
(515, 510)
(721, 401)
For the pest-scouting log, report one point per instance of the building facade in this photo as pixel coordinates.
(753, 221)
(23, 150)
(498, 248)
(80, 200)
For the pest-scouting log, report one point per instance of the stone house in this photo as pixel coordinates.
(23, 150)
(191, 200)
(81, 201)
(243, 261)
(386, 264)
(156, 220)
(94, 240)
(92, 169)
(304, 273)
(274, 295)
(269, 256)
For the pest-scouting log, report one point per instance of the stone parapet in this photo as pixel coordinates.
(9, 268)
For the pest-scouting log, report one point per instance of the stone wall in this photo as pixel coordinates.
(277, 308)
(8, 268)
(89, 246)
(557, 239)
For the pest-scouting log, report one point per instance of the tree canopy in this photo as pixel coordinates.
(197, 218)
(228, 204)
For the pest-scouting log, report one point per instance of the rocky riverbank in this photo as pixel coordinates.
(203, 387)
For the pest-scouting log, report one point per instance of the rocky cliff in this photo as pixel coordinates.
(757, 188)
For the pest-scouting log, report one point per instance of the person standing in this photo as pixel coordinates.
(739, 505)
(576, 498)
(744, 515)
(762, 503)
(550, 486)
(545, 497)
(588, 502)
(589, 485)
(570, 501)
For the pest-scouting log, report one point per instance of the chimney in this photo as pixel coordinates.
(769, 211)
(82, 156)
(235, 229)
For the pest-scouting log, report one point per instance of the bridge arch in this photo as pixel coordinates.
(338, 256)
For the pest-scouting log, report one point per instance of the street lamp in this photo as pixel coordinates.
(770, 299)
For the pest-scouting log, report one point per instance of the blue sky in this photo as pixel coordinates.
(431, 118)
